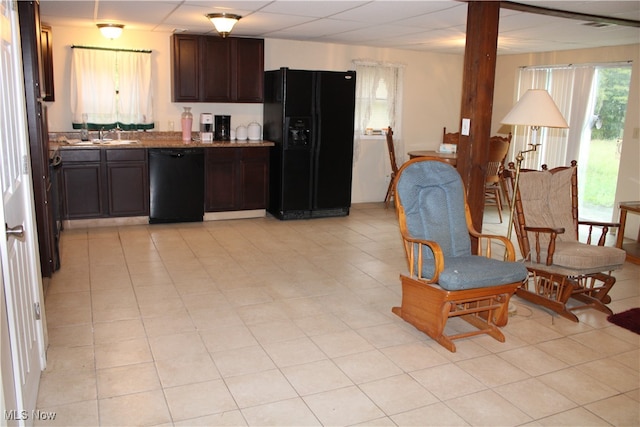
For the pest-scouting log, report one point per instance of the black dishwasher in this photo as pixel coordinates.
(176, 179)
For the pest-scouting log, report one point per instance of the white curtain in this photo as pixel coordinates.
(368, 76)
(134, 100)
(554, 141)
(583, 104)
(93, 86)
(366, 83)
(112, 88)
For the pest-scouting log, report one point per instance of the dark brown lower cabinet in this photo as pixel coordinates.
(236, 178)
(82, 183)
(254, 177)
(221, 183)
(127, 182)
(112, 182)
(101, 183)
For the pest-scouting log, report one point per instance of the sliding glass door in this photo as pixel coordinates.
(593, 100)
(600, 149)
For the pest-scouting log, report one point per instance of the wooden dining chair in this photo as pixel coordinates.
(503, 180)
(394, 167)
(493, 190)
(451, 137)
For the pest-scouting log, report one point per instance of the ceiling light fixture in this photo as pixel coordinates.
(223, 22)
(111, 31)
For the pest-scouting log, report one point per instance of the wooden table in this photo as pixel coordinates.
(632, 248)
(450, 158)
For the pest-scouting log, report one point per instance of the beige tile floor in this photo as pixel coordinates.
(263, 322)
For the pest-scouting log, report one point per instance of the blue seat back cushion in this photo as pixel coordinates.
(432, 195)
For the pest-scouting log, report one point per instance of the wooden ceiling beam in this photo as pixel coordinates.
(511, 5)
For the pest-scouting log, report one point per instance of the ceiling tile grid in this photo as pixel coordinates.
(426, 25)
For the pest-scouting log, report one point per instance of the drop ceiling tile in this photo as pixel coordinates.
(262, 23)
(189, 15)
(68, 10)
(379, 32)
(317, 28)
(441, 39)
(452, 16)
(233, 6)
(380, 12)
(113, 10)
(526, 21)
(316, 9)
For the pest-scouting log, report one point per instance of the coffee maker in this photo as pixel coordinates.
(206, 127)
(223, 127)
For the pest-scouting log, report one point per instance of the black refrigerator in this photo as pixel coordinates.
(309, 116)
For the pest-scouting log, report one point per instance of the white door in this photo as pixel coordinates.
(20, 265)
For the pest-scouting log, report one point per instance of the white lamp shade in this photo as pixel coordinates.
(111, 31)
(536, 108)
(223, 22)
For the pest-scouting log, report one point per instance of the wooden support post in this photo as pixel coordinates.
(477, 101)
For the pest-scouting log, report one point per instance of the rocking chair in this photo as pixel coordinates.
(445, 279)
(547, 228)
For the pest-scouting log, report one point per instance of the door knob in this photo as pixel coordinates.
(17, 231)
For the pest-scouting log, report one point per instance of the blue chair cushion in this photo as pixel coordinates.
(432, 195)
(474, 271)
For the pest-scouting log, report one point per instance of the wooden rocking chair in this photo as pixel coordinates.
(561, 267)
(445, 279)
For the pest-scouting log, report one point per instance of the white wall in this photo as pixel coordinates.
(629, 174)
(431, 97)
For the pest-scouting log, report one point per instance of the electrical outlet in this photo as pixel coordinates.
(466, 124)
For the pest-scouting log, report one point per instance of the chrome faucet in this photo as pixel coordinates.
(102, 132)
(118, 131)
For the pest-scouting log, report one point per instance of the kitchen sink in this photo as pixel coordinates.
(124, 141)
(115, 141)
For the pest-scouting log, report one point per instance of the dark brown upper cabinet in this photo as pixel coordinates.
(213, 69)
(46, 46)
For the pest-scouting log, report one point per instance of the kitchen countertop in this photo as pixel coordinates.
(71, 140)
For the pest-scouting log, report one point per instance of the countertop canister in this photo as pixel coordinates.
(254, 131)
(241, 133)
(186, 122)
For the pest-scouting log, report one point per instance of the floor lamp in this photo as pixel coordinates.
(535, 109)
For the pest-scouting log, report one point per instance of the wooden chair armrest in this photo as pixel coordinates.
(415, 257)
(598, 223)
(544, 229)
(605, 229)
(485, 241)
(553, 233)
